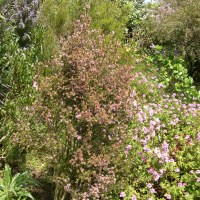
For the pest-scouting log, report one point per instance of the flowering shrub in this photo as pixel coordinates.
(163, 153)
(80, 117)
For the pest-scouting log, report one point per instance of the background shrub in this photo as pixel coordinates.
(175, 26)
(21, 48)
(23, 15)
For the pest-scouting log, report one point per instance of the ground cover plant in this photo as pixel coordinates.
(97, 119)
(164, 132)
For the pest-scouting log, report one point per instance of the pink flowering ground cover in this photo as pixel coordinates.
(163, 148)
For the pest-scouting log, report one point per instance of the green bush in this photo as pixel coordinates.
(107, 16)
(17, 67)
(172, 72)
(175, 25)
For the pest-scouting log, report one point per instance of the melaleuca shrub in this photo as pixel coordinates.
(81, 115)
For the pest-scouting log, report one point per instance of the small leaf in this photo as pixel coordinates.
(3, 197)
(7, 176)
(25, 193)
(2, 186)
(2, 17)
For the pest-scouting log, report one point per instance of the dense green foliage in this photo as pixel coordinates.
(172, 72)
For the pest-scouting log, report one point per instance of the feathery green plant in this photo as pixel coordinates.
(13, 187)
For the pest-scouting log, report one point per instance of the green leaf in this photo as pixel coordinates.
(25, 180)
(7, 176)
(25, 193)
(12, 190)
(14, 180)
(2, 17)
(2, 193)
(3, 197)
(2, 186)
(20, 198)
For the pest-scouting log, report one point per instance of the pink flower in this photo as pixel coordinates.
(126, 152)
(137, 61)
(149, 185)
(161, 171)
(187, 194)
(198, 171)
(191, 171)
(168, 196)
(151, 170)
(155, 173)
(87, 6)
(198, 179)
(122, 194)
(78, 116)
(187, 137)
(156, 177)
(143, 158)
(135, 103)
(148, 150)
(177, 137)
(129, 147)
(35, 85)
(134, 197)
(152, 190)
(79, 137)
(180, 184)
(177, 170)
(97, 13)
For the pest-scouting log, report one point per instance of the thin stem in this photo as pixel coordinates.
(64, 195)
(56, 192)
